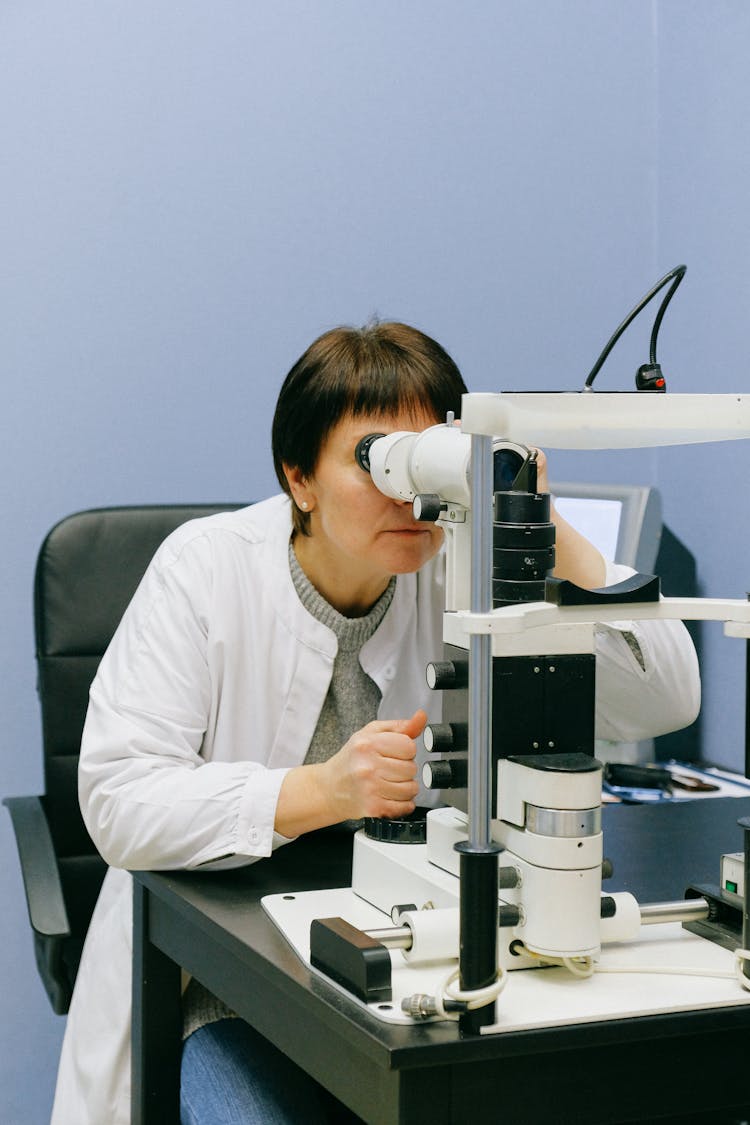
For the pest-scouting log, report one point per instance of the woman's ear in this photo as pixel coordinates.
(299, 488)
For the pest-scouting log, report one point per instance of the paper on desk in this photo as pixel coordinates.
(728, 784)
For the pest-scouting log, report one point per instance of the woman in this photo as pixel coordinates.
(267, 680)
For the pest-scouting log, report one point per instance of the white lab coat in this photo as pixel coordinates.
(209, 693)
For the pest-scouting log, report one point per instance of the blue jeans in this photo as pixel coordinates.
(231, 1075)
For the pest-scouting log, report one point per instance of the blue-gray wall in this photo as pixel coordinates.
(703, 219)
(192, 192)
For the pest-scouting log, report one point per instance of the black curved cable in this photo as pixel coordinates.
(675, 275)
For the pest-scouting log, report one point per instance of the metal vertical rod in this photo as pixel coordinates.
(477, 960)
(480, 645)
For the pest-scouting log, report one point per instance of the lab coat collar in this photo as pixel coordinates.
(280, 588)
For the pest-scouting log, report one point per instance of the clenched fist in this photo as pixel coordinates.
(373, 774)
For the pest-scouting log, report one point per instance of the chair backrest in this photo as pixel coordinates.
(87, 571)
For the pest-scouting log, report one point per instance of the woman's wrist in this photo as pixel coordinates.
(577, 559)
(304, 802)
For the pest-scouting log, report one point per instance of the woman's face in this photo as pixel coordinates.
(359, 537)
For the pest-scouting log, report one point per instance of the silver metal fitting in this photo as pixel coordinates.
(419, 1006)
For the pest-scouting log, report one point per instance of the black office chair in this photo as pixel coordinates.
(87, 571)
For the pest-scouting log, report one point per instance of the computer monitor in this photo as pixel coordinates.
(623, 520)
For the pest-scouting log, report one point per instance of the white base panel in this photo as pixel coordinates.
(543, 998)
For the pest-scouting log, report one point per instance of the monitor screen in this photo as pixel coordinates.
(622, 520)
(598, 520)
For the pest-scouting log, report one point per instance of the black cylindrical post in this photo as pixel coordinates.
(478, 928)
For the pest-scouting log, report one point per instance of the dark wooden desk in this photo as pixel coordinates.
(613, 1071)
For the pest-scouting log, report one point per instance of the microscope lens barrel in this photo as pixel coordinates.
(522, 507)
(523, 547)
(526, 563)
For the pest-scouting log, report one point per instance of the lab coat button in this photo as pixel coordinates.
(389, 672)
(252, 836)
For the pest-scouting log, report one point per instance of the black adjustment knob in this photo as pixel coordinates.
(442, 738)
(508, 878)
(443, 674)
(427, 507)
(508, 915)
(445, 774)
(409, 829)
(607, 906)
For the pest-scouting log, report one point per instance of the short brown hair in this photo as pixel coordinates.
(382, 368)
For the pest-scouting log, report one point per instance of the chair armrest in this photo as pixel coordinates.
(41, 877)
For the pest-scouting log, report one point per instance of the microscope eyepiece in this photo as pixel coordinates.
(362, 452)
(507, 462)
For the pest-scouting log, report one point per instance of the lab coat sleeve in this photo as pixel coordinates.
(651, 693)
(149, 798)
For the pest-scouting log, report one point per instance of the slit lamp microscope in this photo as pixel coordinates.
(507, 874)
(511, 867)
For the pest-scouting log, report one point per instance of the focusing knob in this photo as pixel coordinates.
(441, 738)
(427, 507)
(442, 674)
(445, 774)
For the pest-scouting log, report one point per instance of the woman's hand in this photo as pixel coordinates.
(373, 774)
(542, 484)
(575, 557)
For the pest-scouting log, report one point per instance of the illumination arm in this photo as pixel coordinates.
(621, 420)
